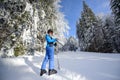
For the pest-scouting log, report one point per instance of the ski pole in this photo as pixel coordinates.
(60, 43)
(58, 62)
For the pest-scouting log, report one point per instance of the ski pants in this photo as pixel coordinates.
(49, 56)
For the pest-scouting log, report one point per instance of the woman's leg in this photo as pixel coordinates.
(45, 60)
(51, 61)
(51, 57)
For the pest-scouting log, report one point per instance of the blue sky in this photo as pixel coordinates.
(72, 10)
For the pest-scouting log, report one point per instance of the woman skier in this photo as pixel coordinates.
(49, 56)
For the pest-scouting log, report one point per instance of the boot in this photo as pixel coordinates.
(43, 71)
(52, 71)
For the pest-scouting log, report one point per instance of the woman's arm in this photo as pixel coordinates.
(49, 39)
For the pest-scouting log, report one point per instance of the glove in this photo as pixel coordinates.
(55, 44)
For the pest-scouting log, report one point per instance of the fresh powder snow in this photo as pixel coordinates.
(73, 66)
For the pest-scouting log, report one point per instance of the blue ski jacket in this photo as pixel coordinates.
(50, 40)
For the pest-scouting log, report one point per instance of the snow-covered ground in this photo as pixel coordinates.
(74, 66)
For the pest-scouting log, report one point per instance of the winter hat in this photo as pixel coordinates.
(50, 30)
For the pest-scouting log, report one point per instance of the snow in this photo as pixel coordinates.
(73, 66)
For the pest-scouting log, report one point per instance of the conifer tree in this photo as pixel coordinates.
(115, 6)
(87, 16)
(85, 25)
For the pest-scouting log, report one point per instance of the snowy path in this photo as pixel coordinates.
(74, 66)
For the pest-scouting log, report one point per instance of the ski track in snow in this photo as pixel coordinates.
(73, 66)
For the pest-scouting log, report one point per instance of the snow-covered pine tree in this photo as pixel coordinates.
(71, 44)
(92, 34)
(24, 23)
(88, 16)
(53, 19)
(85, 27)
(108, 32)
(115, 6)
(13, 19)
